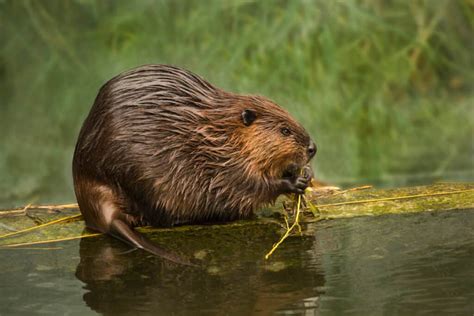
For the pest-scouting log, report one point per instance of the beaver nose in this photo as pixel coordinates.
(312, 150)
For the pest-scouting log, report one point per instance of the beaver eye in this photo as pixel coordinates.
(285, 131)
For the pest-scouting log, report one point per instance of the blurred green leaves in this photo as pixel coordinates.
(384, 87)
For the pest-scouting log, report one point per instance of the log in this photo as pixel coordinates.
(329, 206)
(373, 202)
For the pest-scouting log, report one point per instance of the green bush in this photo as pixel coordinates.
(384, 87)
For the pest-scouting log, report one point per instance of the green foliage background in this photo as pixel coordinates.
(384, 87)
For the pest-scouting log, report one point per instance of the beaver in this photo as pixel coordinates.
(161, 146)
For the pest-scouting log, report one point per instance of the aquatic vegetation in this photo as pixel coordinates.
(384, 87)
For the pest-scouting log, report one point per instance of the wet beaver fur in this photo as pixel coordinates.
(162, 146)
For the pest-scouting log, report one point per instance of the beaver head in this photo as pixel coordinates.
(276, 145)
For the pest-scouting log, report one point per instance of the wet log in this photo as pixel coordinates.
(330, 205)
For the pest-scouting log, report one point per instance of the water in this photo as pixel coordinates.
(390, 265)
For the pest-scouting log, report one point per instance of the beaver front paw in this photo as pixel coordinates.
(294, 185)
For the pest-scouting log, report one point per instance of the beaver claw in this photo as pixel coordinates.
(296, 185)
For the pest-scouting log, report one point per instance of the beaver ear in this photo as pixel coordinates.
(248, 116)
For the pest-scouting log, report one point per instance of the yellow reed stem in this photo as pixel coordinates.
(40, 242)
(64, 219)
(288, 231)
(39, 207)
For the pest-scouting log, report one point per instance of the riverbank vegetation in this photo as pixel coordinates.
(384, 87)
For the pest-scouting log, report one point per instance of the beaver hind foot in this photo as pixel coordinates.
(110, 218)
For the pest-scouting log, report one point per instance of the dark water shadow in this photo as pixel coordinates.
(233, 277)
(418, 264)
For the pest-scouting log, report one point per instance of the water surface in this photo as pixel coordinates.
(392, 265)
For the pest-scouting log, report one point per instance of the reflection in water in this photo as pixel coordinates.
(233, 277)
(418, 264)
(386, 265)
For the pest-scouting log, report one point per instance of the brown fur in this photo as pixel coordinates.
(161, 146)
